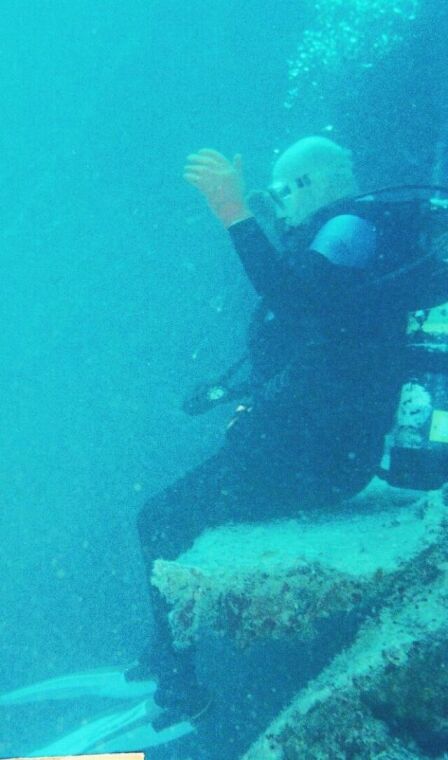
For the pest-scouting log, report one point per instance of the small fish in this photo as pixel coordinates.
(95, 683)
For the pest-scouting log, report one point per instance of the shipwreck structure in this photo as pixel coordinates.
(385, 695)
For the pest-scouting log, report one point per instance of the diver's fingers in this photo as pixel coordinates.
(214, 155)
(203, 167)
(201, 170)
(201, 178)
(195, 159)
(193, 179)
(210, 171)
(202, 160)
(193, 166)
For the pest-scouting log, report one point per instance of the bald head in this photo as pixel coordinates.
(310, 174)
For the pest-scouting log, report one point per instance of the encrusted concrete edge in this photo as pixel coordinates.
(360, 705)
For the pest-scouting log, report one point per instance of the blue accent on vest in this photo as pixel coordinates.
(347, 241)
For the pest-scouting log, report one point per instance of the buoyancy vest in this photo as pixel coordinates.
(406, 273)
(411, 260)
(409, 271)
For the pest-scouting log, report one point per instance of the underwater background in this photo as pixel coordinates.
(119, 291)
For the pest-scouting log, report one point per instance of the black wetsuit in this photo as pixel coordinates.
(325, 375)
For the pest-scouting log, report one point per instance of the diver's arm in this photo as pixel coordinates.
(305, 278)
(335, 262)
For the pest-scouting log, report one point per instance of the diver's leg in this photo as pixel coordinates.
(248, 480)
(167, 525)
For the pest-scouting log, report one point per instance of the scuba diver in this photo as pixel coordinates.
(336, 278)
(336, 274)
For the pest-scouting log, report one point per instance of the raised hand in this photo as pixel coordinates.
(220, 181)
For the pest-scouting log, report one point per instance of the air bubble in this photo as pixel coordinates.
(349, 31)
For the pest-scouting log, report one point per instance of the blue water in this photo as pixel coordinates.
(119, 291)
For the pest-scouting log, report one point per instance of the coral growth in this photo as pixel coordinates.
(385, 695)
